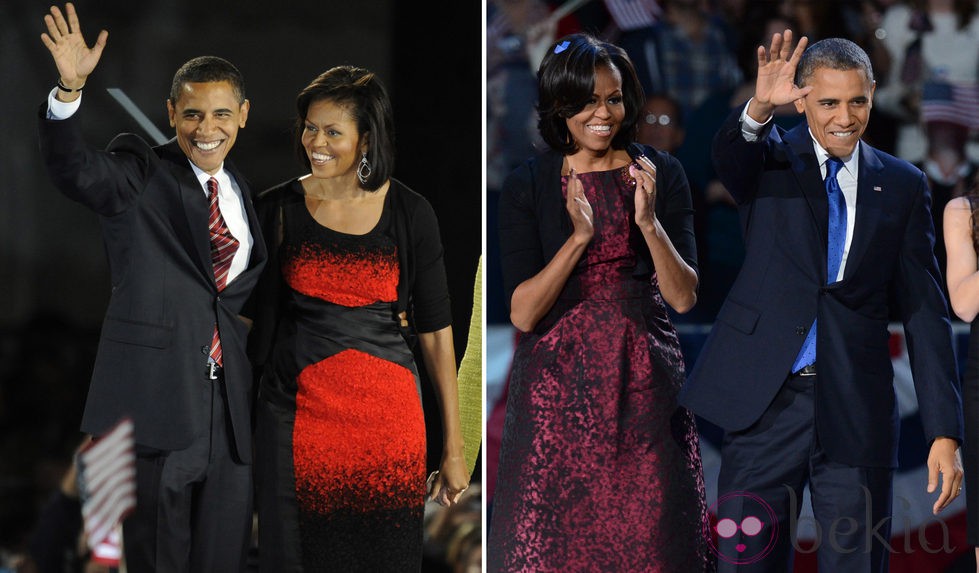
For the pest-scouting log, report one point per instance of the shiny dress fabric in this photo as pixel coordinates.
(340, 432)
(599, 469)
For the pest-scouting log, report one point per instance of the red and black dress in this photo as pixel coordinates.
(340, 436)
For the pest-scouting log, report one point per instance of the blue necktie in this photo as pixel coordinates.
(836, 240)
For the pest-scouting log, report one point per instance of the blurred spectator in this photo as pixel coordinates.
(631, 21)
(818, 20)
(453, 535)
(950, 174)
(731, 15)
(719, 242)
(511, 117)
(58, 543)
(859, 21)
(662, 127)
(685, 54)
(934, 50)
(662, 123)
(46, 363)
(513, 36)
(470, 379)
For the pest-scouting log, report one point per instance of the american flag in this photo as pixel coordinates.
(951, 102)
(107, 481)
(633, 14)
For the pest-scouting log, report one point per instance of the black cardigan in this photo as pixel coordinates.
(534, 222)
(422, 288)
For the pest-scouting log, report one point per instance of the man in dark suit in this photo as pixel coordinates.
(184, 253)
(796, 368)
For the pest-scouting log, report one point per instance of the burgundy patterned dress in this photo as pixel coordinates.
(599, 468)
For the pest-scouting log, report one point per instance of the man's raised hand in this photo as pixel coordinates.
(74, 59)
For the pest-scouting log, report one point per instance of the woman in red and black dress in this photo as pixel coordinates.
(355, 271)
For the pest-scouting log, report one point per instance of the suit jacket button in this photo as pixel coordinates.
(205, 350)
(800, 330)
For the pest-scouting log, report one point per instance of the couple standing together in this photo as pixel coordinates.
(600, 467)
(349, 270)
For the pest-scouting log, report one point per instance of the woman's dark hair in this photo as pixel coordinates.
(974, 220)
(566, 83)
(972, 194)
(367, 101)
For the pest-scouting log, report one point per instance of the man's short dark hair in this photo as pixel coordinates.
(208, 69)
(834, 53)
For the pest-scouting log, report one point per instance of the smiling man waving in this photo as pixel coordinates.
(184, 253)
(839, 240)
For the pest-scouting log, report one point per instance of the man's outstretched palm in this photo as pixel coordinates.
(74, 59)
(775, 84)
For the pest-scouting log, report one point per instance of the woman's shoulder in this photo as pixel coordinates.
(960, 205)
(274, 199)
(544, 166)
(410, 204)
(407, 199)
(545, 160)
(648, 150)
(659, 157)
(291, 189)
(403, 192)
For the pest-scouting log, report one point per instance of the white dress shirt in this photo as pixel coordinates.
(233, 211)
(846, 177)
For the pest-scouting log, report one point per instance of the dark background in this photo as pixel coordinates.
(53, 275)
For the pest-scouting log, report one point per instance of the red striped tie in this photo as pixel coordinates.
(223, 248)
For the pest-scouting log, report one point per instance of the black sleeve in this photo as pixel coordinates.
(521, 251)
(106, 182)
(674, 207)
(264, 305)
(431, 310)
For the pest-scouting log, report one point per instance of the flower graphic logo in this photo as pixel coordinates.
(758, 528)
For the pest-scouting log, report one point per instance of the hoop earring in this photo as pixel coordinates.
(364, 169)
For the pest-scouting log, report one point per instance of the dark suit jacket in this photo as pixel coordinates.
(890, 272)
(157, 329)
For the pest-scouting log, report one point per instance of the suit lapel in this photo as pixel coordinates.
(870, 197)
(810, 180)
(196, 237)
